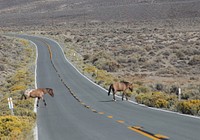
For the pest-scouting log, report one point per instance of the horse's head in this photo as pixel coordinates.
(50, 91)
(130, 86)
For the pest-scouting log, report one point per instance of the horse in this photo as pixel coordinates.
(37, 93)
(120, 86)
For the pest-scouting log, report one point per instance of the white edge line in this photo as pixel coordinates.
(35, 108)
(185, 115)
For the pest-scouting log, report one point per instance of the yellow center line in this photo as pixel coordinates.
(110, 117)
(137, 127)
(93, 110)
(87, 106)
(101, 112)
(82, 103)
(49, 48)
(143, 133)
(120, 121)
(161, 136)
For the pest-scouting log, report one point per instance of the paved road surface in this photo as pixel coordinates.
(81, 110)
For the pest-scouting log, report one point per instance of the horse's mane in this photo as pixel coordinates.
(125, 82)
(49, 89)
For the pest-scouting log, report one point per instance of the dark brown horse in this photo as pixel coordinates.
(120, 86)
(38, 93)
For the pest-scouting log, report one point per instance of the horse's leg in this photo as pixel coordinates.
(38, 101)
(126, 96)
(44, 101)
(114, 95)
(122, 96)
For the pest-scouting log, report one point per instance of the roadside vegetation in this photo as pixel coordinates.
(16, 74)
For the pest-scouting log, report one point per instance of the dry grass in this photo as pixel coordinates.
(17, 74)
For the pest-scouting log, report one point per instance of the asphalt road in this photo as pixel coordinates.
(80, 110)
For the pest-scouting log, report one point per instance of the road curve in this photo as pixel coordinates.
(82, 110)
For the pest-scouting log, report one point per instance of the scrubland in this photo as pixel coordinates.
(156, 57)
(16, 74)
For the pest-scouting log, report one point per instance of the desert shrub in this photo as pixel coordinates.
(27, 104)
(24, 42)
(141, 98)
(185, 96)
(90, 69)
(129, 94)
(121, 59)
(161, 103)
(180, 54)
(174, 89)
(184, 107)
(110, 66)
(156, 99)
(159, 87)
(12, 127)
(2, 67)
(24, 112)
(139, 83)
(191, 107)
(18, 87)
(101, 76)
(86, 57)
(132, 59)
(68, 40)
(169, 70)
(142, 89)
(195, 60)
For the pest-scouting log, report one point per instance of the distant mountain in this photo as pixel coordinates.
(36, 12)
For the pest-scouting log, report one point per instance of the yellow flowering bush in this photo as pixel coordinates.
(189, 107)
(14, 128)
(156, 99)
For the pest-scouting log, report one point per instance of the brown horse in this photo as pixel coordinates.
(120, 86)
(37, 93)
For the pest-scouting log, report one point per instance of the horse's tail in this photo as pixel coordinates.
(111, 86)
